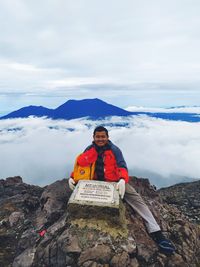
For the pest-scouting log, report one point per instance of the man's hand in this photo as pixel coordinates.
(72, 184)
(121, 187)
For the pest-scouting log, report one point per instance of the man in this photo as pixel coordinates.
(110, 166)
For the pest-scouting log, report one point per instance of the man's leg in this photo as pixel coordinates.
(138, 204)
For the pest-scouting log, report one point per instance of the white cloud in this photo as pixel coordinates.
(75, 82)
(42, 150)
(165, 110)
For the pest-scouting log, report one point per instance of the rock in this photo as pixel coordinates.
(134, 263)
(94, 264)
(99, 253)
(70, 261)
(3, 222)
(14, 213)
(143, 187)
(31, 202)
(129, 245)
(145, 253)
(15, 217)
(73, 246)
(177, 261)
(53, 200)
(27, 239)
(119, 260)
(13, 180)
(186, 197)
(25, 259)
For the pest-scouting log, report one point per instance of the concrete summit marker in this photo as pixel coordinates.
(95, 193)
(95, 199)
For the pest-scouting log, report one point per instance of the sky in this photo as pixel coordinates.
(128, 53)
(42, 150)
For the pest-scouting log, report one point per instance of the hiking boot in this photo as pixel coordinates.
(163, 243)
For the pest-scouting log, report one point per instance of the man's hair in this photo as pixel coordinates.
(100, 129)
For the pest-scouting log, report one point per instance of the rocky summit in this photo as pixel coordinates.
(186, 197)
(36, 229)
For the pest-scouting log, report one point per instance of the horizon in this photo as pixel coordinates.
(11, 101)
(155, 108)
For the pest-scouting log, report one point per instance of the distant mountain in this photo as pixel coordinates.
(93, 109)
(25, 112)
(72, 109)
(175, 116)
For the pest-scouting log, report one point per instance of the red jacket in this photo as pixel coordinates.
(114, 164)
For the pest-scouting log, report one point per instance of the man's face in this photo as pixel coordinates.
(100, 138)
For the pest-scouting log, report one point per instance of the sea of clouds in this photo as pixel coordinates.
(42, 150)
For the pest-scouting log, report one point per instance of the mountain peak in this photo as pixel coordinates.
(82, 101)
(72, 109)
(93, 108)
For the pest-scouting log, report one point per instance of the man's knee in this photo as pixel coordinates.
(130, 190)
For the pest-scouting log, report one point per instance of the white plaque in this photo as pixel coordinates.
(100, 192)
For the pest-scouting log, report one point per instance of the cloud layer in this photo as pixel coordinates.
(42, 151)
(183, 109)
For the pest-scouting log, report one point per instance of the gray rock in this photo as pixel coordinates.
(99, 253)
(25, 259)
(134, 263)
(54, 200)
(13, 180)
(129, 245)
(186, 197)
(15, 217)
(119, 260)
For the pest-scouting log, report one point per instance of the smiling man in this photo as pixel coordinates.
(105, 162)
(110, 165)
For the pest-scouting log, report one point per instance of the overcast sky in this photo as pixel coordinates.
(125, 52)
